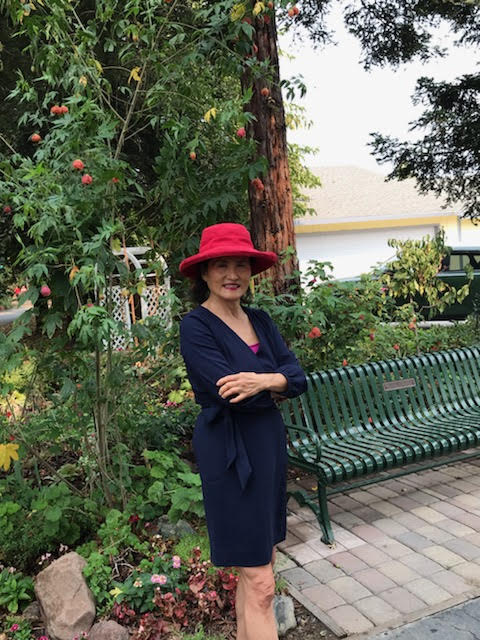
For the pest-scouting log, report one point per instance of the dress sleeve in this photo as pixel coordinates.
(287, 363)
(206, 364)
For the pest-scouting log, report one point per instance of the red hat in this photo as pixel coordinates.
(223, 240)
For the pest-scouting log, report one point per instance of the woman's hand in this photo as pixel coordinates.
(248, 383)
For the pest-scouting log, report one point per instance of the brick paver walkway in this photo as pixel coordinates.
(405, 549)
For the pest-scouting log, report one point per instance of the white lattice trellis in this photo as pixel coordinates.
(151, 300)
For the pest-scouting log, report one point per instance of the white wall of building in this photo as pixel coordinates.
(354, 252)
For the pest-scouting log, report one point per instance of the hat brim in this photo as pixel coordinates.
(261, 260)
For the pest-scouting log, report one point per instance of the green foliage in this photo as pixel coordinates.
(98, 574)
(15, 590)
(115, 534)
(174, 484)
(37, 520)
(410, 277)
(184, 546)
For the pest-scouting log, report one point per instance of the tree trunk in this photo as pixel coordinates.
(270, 195)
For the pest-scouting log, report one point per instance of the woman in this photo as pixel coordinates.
(237, 362)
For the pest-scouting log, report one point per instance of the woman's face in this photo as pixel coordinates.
(227, 278)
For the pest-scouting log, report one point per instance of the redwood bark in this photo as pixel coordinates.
(271, 209)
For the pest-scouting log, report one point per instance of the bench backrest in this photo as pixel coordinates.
(342, 401)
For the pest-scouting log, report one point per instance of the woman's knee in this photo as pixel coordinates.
(259, 583)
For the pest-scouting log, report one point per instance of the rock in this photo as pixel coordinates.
(284, 614)
(66, 602)
(32, 613)
(108, 630)
(174, 531)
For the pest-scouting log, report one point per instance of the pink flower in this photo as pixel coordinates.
(14, 627)
(176, 562)
(158, 579)
(43, 638)
(87, 179)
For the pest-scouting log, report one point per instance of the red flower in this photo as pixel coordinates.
(114, 180)
(78, 164)
(45, 291)
(55, 110)
(63, 109)
(345, 362)
(35, 137)
(241, 133)
(87, 179)
(314, 333)
(396, 347)
(258, 184)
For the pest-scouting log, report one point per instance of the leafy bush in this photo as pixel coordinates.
(15, 590)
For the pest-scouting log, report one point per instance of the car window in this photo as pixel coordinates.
(458, 261)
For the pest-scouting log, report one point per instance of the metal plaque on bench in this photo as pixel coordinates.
(403, 383)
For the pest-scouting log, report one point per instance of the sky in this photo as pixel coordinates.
(346, 103)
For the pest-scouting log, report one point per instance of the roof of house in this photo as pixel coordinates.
(351, 194)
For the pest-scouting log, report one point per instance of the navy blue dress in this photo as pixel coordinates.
(240, 448)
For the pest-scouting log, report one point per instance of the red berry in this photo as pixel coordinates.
(78, 164)
(7, 209)
(314, 333)
(45, 291)
(87, 179)
(258, 184)
(193, 155)
(241, 133)
(265, 92)
(114, 180)
(35, 137)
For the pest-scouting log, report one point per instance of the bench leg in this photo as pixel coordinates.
(323, 516)
(319, 508)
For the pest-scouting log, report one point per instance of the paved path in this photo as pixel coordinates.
(406, 549)
(458, 623)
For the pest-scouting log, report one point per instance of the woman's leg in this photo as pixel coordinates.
(255, 592)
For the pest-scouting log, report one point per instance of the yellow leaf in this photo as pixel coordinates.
(116, 244)
(98, 65)
(237, 12)
(83, 81)
(211, 113)
(73, 273)
(134, 75)
(8, 452)
(115, 592)
(258, 8)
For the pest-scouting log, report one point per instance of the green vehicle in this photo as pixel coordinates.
(453, 273)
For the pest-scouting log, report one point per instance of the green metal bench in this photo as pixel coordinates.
(355, 423)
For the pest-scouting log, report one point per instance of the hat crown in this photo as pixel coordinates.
(214, 237)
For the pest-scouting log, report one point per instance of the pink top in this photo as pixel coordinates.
(254, 347)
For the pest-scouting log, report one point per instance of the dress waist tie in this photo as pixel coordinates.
(235, 446)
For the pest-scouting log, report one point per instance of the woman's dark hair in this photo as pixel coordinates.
(200, 290)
